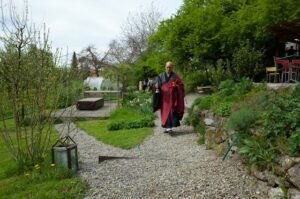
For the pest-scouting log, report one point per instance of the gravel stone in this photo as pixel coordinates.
(165, 166)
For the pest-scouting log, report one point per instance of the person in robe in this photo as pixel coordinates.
(171, 90)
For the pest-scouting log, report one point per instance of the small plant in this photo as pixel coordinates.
(201, 141)
(223, 109)
(200, 128)
(258, 152)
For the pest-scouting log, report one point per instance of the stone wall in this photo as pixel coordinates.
(287, 171)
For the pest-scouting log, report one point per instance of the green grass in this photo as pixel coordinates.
(47, 182)
(125, 139)
(10, 125)
(125, 114)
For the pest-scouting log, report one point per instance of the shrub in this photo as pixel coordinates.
(282, 116)
(203, 102)
(241, 120)
(226, 87)
(130, 124)
(243, 87)
(193, 79)
(220, 72)
(246, 62)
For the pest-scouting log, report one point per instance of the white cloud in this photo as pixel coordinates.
(78, 23)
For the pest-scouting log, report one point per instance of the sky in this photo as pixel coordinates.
(75, 24)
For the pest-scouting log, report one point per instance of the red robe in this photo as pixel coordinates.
(172, 98)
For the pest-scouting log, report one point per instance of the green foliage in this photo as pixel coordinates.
(243, 87)
(203, 102)
(210, 30)
(294, 143)
(223, 109)
(195, 78)
(247, 62)
(226, 87)
(40, 181)
(220, 72)
(139, 101)
(130, 124)
(258, 151)
(200, 128)
(282, 116)
(201, 141)
(70, 93)
(241, 120)
(125, 139)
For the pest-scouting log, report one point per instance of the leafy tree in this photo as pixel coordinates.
(208, 30)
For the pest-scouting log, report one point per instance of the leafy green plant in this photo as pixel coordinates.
(223, 109)
(259, 152)
(203, 102)
(226, 87)
(294, 144)
(282, 116)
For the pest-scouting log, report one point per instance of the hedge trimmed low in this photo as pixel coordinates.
(130, 124)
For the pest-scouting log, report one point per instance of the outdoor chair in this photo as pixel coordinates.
(287, 74)
(272, 72)
(296, 67)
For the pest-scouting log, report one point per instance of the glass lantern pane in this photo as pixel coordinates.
(61, 156)
(74, 159)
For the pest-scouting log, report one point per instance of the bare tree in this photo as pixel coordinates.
(135, 34)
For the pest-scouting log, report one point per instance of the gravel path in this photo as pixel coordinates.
(164, 167)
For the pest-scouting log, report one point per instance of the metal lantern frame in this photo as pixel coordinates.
(66, 144)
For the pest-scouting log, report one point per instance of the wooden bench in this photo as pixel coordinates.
(204, 89)
(90, 103)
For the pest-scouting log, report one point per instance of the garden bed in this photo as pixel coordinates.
(265, 124)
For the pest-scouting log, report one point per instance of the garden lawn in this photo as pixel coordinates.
(51, 182)
(125, 138)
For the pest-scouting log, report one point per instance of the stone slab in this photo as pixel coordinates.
(90, 103)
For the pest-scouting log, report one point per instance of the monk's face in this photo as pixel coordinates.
(168, 68)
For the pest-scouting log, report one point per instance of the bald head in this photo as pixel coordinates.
(168, 67)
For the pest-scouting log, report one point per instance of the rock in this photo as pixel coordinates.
(294, 175)
(265, 176)
(287, 162)
(293, 194)
(210, 128)
(212, 137)
(275, 193)
(208, 121)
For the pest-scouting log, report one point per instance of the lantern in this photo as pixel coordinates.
(64, 153)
